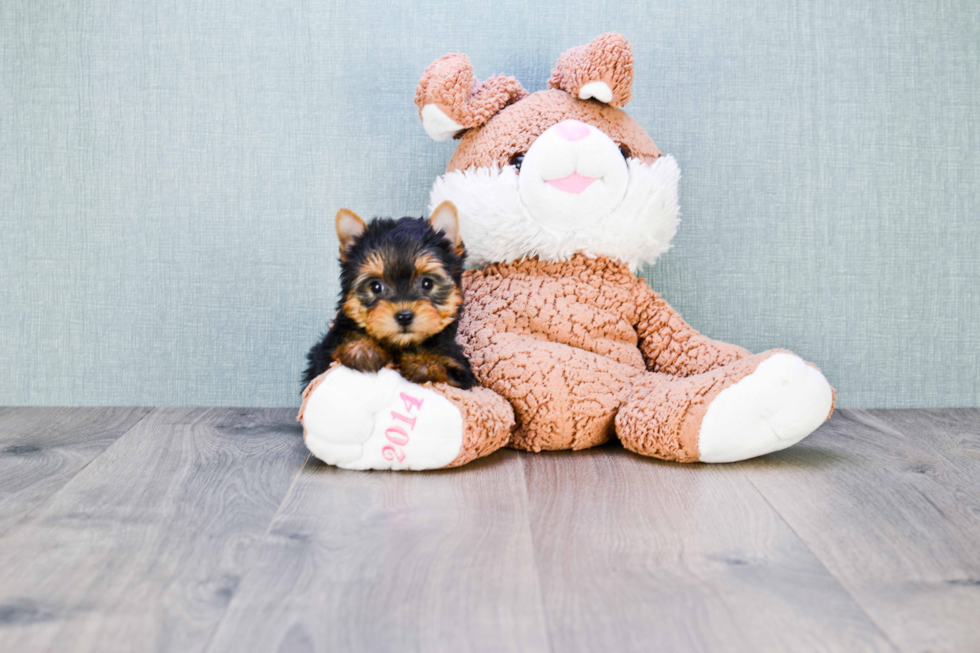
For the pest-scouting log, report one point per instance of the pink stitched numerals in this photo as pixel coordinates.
(410, 402)
(398, 434)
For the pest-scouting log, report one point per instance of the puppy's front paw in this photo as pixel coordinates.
(380, 421)
(362, 354)
(422, 367)
(460, 376)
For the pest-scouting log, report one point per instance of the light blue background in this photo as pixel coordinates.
(169, 173)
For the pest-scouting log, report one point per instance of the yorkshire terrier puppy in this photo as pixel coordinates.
(400, 299)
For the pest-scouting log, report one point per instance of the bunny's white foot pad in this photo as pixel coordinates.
(357, 420)
(780, 403)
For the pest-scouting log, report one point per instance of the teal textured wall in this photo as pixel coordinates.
(169, 172)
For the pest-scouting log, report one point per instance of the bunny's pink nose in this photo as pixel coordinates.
(573, 130)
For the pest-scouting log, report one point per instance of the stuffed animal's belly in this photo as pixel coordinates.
(557, 341)
(561, 310)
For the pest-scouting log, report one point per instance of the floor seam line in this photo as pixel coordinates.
(261, 543)
(534, 554)
(27, 516)
(830, 573)
(286, 496)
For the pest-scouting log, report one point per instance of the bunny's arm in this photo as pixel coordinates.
(671, 346)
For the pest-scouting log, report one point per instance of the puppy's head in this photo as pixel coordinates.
(400, 279)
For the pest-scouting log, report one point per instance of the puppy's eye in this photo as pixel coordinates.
(625, 151)
(427, 284)
(376, 287)
(517, 160)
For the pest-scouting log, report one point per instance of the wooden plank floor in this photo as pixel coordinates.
(213, 530)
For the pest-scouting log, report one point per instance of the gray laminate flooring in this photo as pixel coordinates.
(176, 529)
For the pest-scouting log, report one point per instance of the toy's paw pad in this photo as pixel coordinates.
(774, 407)
(357, 420)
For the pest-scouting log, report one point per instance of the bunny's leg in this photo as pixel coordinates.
(563, 397)
(748, 408)
(358, 420)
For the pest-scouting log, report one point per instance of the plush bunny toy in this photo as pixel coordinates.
(561, 197)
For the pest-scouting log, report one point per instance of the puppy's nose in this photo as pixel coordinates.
(404, 318)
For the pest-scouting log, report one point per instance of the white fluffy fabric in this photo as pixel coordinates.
(497, 227)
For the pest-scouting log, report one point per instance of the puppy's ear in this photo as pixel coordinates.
(349, 227)
(445, 219)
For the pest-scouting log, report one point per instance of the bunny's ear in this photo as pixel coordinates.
(602, 70)
(450, 99)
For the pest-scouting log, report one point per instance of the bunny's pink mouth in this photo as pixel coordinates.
(573, 183)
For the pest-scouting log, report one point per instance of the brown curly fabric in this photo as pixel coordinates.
(608, 59)
(449, 84)
(670, 346)
(518, 125)
(487, 421)
(569, 343)
(663, 414)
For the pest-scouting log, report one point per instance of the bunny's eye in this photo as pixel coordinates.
(517, 160)
(625, 151)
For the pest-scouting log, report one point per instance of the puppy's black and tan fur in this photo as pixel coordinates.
(400, 299)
